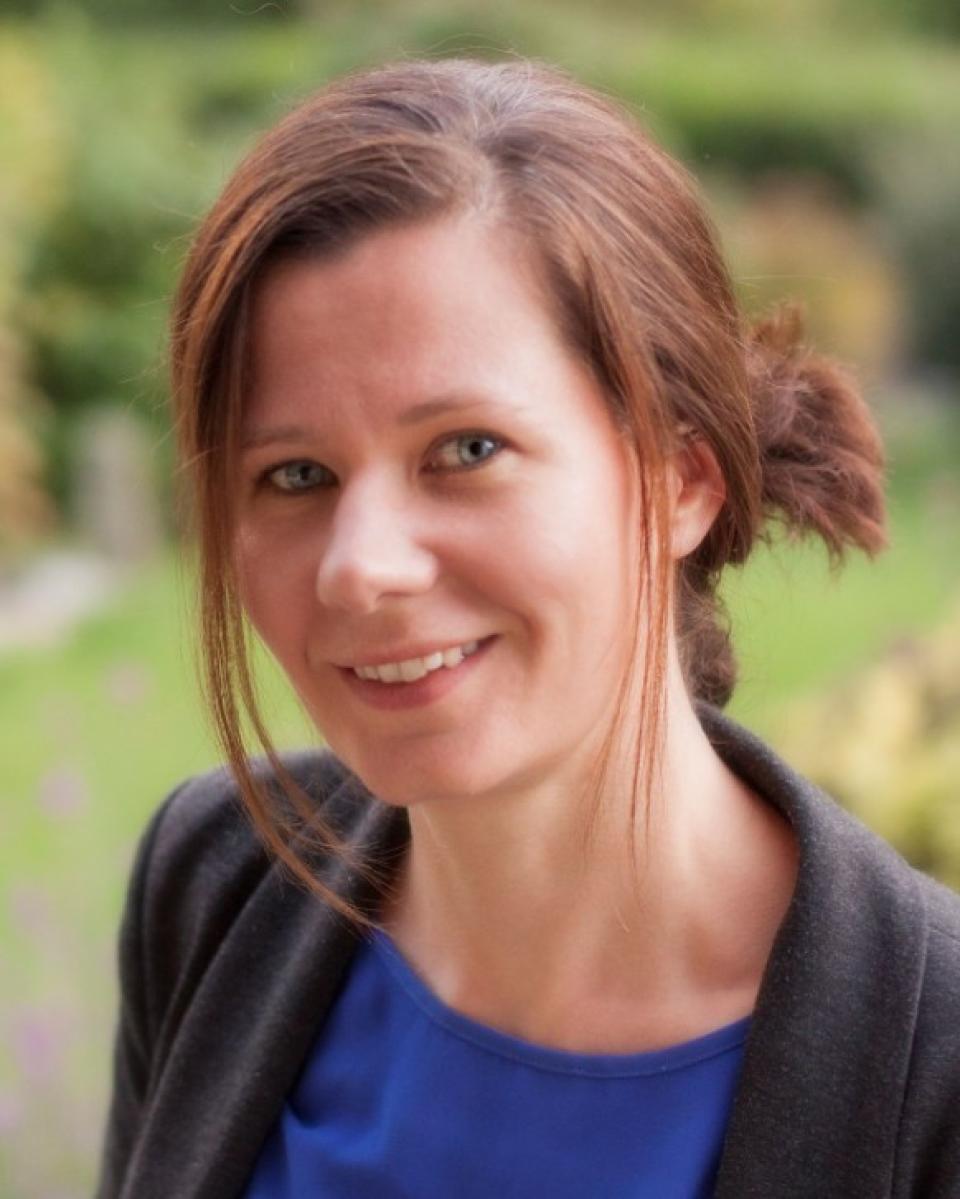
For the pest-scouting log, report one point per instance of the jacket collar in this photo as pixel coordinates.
(827, 1056)
(827, 1052)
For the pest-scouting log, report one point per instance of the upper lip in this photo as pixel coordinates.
(403, 653)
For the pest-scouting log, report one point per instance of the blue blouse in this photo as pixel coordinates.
(403, 1097)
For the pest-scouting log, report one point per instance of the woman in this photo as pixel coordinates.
(474, 425)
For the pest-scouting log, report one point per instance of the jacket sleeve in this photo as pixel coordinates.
(133, 1035)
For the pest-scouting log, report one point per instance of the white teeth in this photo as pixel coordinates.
(416, 668)
(412, 670)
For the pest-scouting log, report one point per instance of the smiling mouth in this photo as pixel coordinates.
(411, 670)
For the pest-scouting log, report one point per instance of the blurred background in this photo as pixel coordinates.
(825, 135)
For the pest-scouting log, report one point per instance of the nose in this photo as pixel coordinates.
(373, 550)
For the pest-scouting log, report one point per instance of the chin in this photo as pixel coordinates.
(411, 777)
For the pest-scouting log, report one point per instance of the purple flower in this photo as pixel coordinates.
(63, 792)
(127, 684)
(11, 1113)
(31, 911)
(38, 1040)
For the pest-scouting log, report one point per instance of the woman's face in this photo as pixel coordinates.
(428, 470)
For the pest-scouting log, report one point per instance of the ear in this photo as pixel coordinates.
(697, 492)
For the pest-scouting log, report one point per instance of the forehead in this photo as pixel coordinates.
(404, 315)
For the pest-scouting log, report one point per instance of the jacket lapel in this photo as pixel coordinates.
(248, 1030)
(827, 1057)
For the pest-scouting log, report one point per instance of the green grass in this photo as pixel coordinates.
(92, 735)
(797, 627)
(116, 710)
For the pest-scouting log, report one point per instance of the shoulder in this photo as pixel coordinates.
(201, 837)
(199, 863)
(206, 911)
(203, 821)
(211, 801)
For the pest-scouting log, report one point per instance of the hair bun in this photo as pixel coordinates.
(822, 460)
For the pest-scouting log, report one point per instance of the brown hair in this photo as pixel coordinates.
(632, 268)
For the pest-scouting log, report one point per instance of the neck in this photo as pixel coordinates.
(515, 916)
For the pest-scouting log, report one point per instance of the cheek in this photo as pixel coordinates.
(592, 547)
(566, 568)
(275, 582)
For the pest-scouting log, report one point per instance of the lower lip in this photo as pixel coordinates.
(428, 690)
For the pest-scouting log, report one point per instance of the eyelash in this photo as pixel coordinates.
(267, 478)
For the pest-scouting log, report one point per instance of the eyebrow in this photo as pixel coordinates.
(417, 414)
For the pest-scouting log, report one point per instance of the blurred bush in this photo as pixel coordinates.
(29, 149)
(812, 103)
(873, 120)
(795, 234)
(918, 201)
(25, 510)
(886, 743)
(937, 17)
(123, 12)
(833, 152)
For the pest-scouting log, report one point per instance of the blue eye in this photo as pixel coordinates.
(468, 450)
(299, 475)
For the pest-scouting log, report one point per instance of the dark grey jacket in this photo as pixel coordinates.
(851, 1077)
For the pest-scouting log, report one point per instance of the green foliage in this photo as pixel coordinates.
(937, 17)
(120, 139)
(28, 148)
(918, 199)
(794, 232)
(153, 12)
(24, 507)
(755, 103)
(149, 134)
(887, 744)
